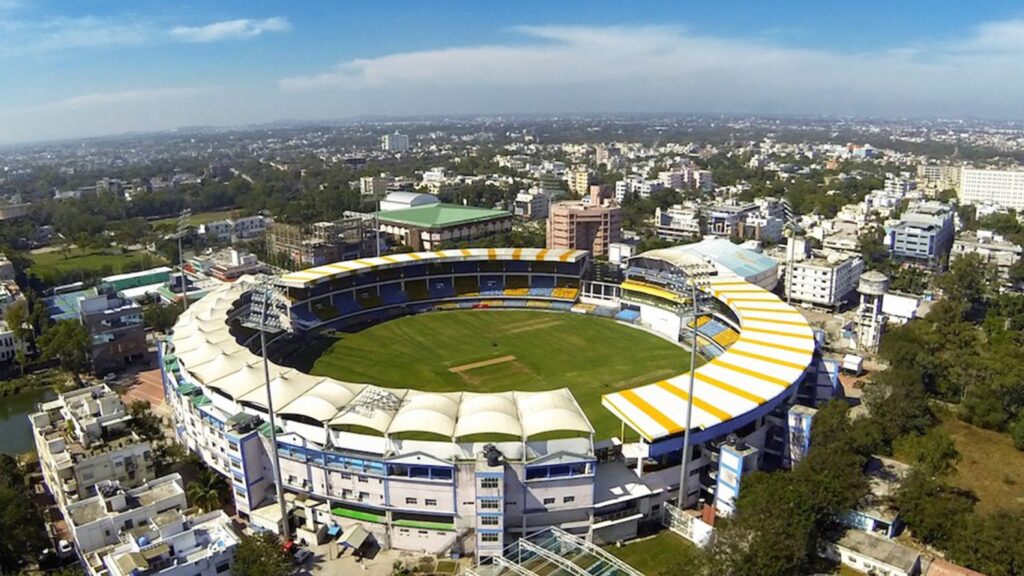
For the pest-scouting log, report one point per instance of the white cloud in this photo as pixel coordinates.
(31, 37)
(586, 69)
(229, 29)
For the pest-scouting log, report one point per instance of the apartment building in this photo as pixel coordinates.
(117, 330)
(6, 268)
(991, 247)
(321, 242)
(999, 187)
(941, 176)
(573, 225)
(83, 439)
(97, 523)
(172, 544)
(579, 180)
(824, 281)
(762, 220)
(375, 186)
(678, 223)
(394, 142)
(532, 204)
(235, 228)
(924, 234)
(8, 344)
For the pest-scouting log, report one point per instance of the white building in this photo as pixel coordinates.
(82, 439)
(394, 142)
(1001, 187)
(679, 223)
(532, 204)
(403, 200)
(873, 555)
(374, 186)
(232, 228)
(991, 247)
(8, 344)
(172, 544)
(824, 281)
(97, 523)
(6, 268)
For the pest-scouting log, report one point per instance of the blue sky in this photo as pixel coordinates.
(92, 67)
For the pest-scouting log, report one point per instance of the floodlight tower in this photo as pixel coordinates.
(182, 229)
(263, 300)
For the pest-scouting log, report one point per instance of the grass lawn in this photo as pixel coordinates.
(527, 350)
(86, 261)
(989, 465)
(655, 556)
(197, 218)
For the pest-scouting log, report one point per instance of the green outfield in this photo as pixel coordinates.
(92, 261)
(500, 350)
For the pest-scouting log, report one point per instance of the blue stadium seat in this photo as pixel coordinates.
(346, 304)
(627, 315)
(441, 288)
(543, 282)
(392, 294)
(491, 286)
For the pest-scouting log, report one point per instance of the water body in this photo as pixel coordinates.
(15, 430)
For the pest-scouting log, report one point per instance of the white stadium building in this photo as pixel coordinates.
(466, 472)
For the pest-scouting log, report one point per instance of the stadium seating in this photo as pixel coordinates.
(368, 299)
(467, 286)
(303, 317)
(417, 290)
(392, 294)
(541, 292)
(324, 311)
(539, 304)
(701, 320)
(543, 282)
(491, 286)
(627, 315)
(584, 308)
(441, 288)
(565, 293)
(346, 304)
(517, 291)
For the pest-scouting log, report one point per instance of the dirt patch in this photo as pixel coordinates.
(481, 364)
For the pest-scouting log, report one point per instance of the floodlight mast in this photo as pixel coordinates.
(684, 468)
(266, 288)
(182, 227)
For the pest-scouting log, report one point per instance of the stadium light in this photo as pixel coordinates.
(693, 274)
(263, 296)
(182, 228)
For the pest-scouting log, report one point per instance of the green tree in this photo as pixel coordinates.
(261, 555)
(144, 422)
(161, 317)
(18, 321)
(205, 490)
(21, 522)
(69, 342)
(933, 452)
(933, 511)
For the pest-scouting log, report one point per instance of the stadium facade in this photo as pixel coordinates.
(470, 472)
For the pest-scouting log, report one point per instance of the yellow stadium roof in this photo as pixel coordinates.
(774, 348)
(312, 276)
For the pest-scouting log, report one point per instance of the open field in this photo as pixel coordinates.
(198, 218)
(989, 465)
(655, 556)
(589, 355)
(89, 261)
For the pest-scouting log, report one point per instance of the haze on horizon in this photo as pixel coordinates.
(75, 70)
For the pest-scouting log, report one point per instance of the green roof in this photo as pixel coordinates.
(201, 400)
(187, 388)
(440, 215)
(265, 429)
(358, 515)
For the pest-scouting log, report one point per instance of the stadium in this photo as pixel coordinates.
(468, 472)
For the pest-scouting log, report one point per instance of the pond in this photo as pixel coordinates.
(15, 430)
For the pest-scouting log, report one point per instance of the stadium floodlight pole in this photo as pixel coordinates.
(685, 467)
(267, 291)
(376, 226)
(182, 226)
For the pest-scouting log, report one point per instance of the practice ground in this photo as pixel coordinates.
(500, 350)
(197, 218)
(989, 465)
(89, 260)
(659, 555)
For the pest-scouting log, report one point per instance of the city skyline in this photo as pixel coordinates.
(110, 68)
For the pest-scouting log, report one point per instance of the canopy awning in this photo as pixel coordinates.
(355, 539)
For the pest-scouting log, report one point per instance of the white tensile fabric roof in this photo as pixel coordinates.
(211, 355)
(774, 347)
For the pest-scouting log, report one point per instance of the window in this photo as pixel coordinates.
(488, 537)
(430, 502)
(488, 504)
(568, 499)
(223, 567)
(488, 520)
(411, 501)
(362, 479)
(488, 483)
(346, 476)
(549, 501)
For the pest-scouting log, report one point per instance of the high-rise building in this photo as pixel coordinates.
(579, 181)
(394, 142)
(999, 187)
(924, 233)
(573, 225)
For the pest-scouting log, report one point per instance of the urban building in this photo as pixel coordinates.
(132, 280)
(427, 227)
(532, 204)
(9, 344)
(6, 269)
(873, 555)
(82, 439)
(824, 281)
(923, 234)
(100, 523)
(321, 242)
(227, 265)
(574, 226)
(173, 544)
(236, 228)
(762, 221)
(991, 247)
(999, 187)
(403, 200)
(940, 176)
(679, 223)
(117, 331)
(579, 180)
(375, 186)
(394, 142)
